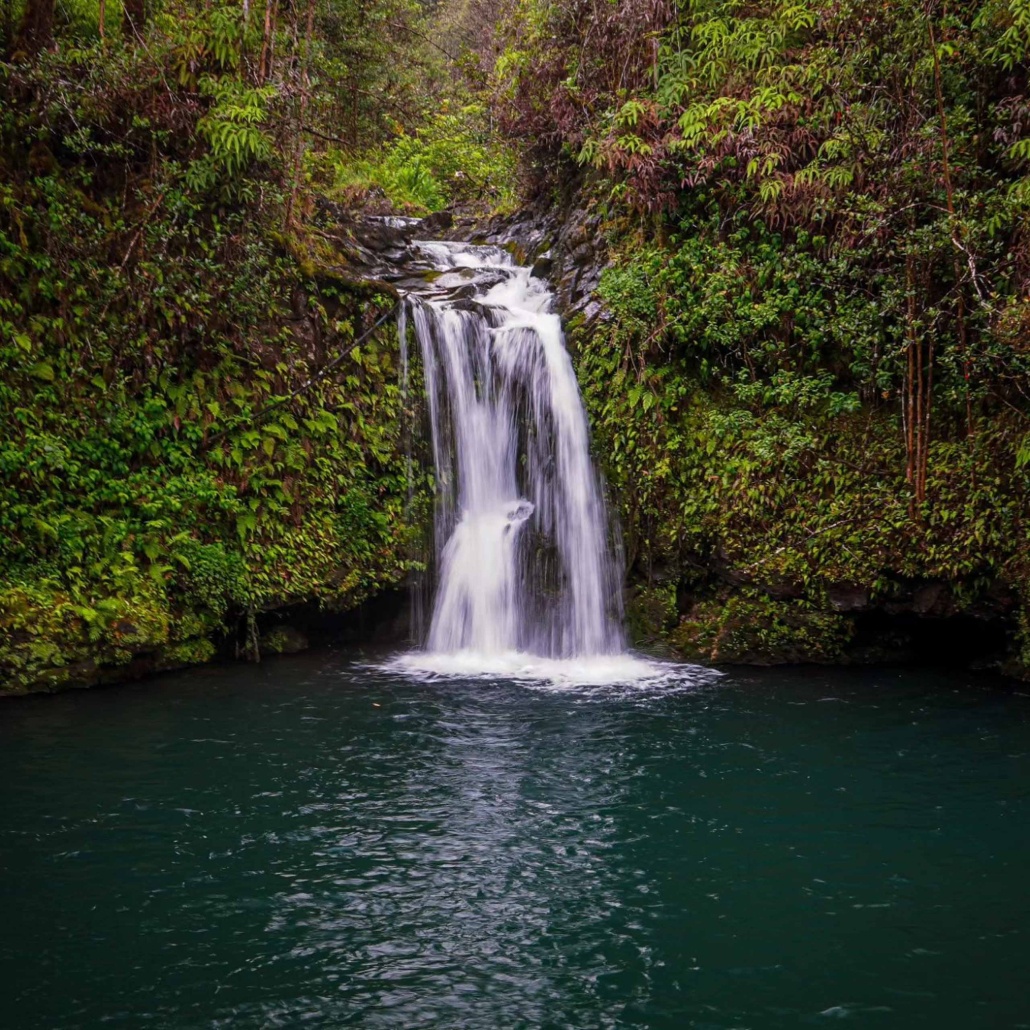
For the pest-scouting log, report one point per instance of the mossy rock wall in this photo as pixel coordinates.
(765, 495)
(159, 487)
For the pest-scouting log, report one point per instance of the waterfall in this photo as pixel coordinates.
(528, 575)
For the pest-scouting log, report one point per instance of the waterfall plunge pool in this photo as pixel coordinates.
(314, 841)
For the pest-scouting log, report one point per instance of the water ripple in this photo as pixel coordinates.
(318, 843)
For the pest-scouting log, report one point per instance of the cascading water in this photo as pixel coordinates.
(528, 578)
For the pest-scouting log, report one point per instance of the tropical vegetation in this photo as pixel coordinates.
(809, 381)
(200, 401)
(817, 216)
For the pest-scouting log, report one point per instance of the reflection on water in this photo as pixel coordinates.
(312, 842)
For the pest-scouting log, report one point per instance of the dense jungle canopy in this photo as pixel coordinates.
(807, 368)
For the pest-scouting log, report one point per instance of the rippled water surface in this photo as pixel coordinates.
(310, 842)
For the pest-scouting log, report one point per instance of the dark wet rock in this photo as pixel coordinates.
(85, 673)
(593, 311)
(458, 283)
(466, 303)
(926, 599)
(521, 511)
(543, 266)
(932, 599)
(489, 280)
(410, 283)
(436, 223)
(847, 597)
(284, 640)
(467, 292)
(383, 238)
(582, 255)
(372, 247)
(452, 279)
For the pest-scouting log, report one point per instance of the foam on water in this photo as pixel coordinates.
(623, 670)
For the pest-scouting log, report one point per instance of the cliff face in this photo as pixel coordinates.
(768, 518)
(167, 495)
(765, 519)
(808, 369)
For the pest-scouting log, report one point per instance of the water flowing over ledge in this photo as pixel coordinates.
(528, 568)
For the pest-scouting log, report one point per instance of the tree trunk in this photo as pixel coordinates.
(36, 31)
(134, 14)
(305, 95)
(265, 60)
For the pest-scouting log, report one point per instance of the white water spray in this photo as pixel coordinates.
(529, 582)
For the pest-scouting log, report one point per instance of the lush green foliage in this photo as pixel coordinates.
(171, 462)
(143, 497)
(819, 294)
(450, 160)
(815, 375)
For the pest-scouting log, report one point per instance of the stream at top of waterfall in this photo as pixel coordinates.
(317, 842)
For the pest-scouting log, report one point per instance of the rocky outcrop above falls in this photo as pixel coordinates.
(568, 248)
